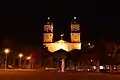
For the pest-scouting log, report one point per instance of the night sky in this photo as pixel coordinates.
(22, 22)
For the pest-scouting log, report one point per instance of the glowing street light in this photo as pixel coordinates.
(6, 52)
(20, 55)
(28, 58)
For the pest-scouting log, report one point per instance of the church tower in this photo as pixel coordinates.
(48, 32)
(75, 31)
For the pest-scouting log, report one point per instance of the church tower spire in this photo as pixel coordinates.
(48, 31)
(74, 18)
(75, 30)
(48, 18)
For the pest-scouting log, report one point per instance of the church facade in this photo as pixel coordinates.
(75, 42)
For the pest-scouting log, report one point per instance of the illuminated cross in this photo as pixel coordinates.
(62, 36)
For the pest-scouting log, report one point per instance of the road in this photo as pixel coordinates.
(44, 75)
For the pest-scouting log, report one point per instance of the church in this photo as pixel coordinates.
(75, 42)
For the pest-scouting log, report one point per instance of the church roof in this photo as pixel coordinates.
(61, 41)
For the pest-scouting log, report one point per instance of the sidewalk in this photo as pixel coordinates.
(21, 70)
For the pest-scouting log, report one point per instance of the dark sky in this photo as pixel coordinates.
(22, 22)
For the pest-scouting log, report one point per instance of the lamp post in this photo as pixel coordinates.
(28, 58)
(6, 52)
(20, 55)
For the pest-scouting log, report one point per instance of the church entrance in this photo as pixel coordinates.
(60, 55)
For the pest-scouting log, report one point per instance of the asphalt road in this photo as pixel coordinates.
(43, 75)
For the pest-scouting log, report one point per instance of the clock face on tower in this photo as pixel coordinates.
(48, 37)
(75, 27)
(75, 37)
(48, 28)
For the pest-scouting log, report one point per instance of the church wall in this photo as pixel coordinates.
(50, 46)
(74, 46)
(61, 44)
(56, 46)
(65, 46)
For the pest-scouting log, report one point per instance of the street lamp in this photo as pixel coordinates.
(20, 55)
(28, 58)
(6, 52)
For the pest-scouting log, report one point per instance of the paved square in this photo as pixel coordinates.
(44, 75)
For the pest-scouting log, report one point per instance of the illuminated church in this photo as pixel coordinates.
(75, 42)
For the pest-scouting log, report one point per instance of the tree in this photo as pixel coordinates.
(91, 55)
(112, 49)
(41, 56)
(75, 55)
